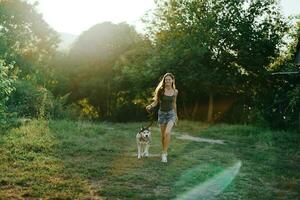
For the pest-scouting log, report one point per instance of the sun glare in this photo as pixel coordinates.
(76, 16)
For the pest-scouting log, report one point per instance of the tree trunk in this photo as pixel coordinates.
(195, 111)
(210, 107)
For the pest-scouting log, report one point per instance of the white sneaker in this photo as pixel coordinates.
(164, 158)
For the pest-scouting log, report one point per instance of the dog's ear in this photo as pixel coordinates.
(142, 128)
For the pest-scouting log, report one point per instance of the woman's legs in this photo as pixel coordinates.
(162, 131)
(166, 135)
(163, 138)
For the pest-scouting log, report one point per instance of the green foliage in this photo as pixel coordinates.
(27, 41)
(7, 79)
(218, 49)
(88, 111)
(134, 80)
(221, 47)
(24, 35)
(61, 74)
(129, 112)
(29, 100)
(32, 101)
(62, 110)
(91, 75)
(280, 104)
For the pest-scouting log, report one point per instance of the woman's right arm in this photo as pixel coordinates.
(152, 105)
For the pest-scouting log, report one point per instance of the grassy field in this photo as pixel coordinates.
(82, 160)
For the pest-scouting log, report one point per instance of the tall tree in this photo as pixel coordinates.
(27, 42)
(282, 107)
(25, 37)
(93, 56)
(217, 47)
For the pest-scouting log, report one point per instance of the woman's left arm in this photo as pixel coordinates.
(174, 103)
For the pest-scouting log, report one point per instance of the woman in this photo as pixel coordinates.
(165, 95)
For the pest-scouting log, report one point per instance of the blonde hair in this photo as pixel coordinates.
(161, 86)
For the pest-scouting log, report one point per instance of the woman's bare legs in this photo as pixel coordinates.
(166, 135)
(162, 131)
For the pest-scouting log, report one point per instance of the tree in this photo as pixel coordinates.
(27, 41)
(217, 48)
(25, 38)
(133, 74)
(92, 58)
(281, 109)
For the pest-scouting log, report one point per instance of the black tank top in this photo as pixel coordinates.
(166, 102)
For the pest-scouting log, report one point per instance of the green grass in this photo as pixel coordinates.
(82, 160)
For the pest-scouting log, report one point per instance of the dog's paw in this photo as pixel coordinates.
(146, 154)
(139, 156)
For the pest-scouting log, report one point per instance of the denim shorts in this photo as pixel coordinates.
(165, 117)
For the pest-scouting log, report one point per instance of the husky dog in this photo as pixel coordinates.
(143, 140)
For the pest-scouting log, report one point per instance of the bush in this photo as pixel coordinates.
(87, 111)
(129, 112)
(33, 101)
(6, 88)
(29, 100)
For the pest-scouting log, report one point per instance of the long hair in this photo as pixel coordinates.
(160, 88)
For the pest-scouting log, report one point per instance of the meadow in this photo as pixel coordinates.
(85, 160)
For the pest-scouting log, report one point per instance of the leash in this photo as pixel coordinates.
(151, 117)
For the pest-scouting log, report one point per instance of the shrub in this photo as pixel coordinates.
(6, 88)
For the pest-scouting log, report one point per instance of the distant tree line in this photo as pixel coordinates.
(222, 53)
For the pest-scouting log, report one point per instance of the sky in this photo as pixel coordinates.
(76, 16)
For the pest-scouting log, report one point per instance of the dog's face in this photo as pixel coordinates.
(143, 140)
(145, 133)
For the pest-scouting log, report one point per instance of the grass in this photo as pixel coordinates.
(83, 160)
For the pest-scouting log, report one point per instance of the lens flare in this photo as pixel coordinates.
(213, 186)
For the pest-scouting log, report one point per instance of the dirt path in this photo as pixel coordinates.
(198, 139)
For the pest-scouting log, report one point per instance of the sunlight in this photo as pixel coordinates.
(77, 16)
(213, 186)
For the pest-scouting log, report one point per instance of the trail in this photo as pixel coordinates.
(199, 139)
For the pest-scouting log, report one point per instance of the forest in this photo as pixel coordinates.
(227, 57)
